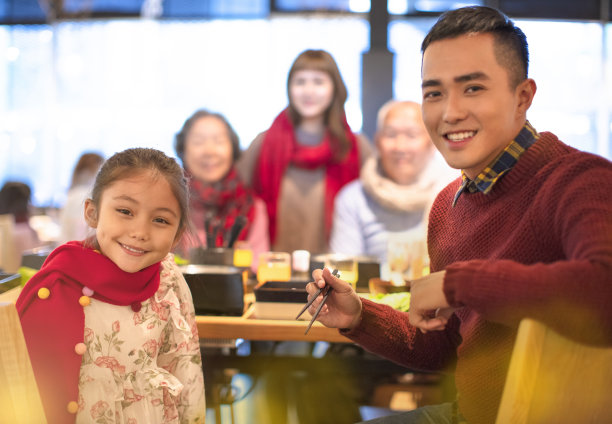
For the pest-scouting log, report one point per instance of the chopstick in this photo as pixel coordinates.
(317, 293)
(327, 289)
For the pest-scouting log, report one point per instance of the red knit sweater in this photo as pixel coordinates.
(539, 245)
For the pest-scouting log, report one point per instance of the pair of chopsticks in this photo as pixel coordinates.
(327, 289)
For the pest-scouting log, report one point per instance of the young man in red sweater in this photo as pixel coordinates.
(525, 232)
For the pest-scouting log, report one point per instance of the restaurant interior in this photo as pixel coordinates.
(105, 75)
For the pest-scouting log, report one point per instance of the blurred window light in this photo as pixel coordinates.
(12, 54)
(359, 6)
(46, 35)
(442, 5)
(27, 144)
(107, 85)
(151, 9)
(398, 7)
(111, 84)
(5, 140)
(321, 5)
(215, 8)
(34, 11)
(108, 6)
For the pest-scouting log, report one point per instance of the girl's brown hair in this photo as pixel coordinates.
(320, 60)
(133, 161)
(86, 168)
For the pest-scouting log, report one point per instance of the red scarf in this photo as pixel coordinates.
(222, 202)
(280, 148)
(53, 326)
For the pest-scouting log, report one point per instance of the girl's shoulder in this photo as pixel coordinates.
(170, 273)
(169, 264)
(172, 280)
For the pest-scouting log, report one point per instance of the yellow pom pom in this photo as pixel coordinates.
(84, 301)
(80, 348)
(43, 293)
(72, 407)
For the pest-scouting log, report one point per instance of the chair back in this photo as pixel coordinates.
(10, 259)
(19, 398)
(552, 379)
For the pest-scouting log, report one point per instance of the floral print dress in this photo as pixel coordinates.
(143, 367)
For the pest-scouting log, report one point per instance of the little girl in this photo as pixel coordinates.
(109, 322)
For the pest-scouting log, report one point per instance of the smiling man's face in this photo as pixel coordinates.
(469, 107)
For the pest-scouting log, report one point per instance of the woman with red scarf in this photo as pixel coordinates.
(308, 154)
(208, 147)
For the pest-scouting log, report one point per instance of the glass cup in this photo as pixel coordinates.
(274, 266)
(407, 259)
(347, 265)
(300, 262)
(243, 258)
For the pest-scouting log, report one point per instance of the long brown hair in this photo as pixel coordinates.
(320, 60)
(86, 168)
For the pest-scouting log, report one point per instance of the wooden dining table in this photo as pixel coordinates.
(247, 326)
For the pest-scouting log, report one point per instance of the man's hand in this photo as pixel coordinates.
(429, 310)
(343, 306)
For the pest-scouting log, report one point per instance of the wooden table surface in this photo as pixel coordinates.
(250, 328)
(247, 326)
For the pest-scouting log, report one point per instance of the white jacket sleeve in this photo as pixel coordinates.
(347, 234)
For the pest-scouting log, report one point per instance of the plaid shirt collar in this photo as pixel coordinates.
(503, 163)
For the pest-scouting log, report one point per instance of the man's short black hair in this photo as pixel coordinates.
(511, 50)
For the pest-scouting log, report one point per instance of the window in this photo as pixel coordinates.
(106, 85)
(113, 84)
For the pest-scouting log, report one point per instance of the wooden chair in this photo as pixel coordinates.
(19, 398)
(9, 258)
(555, 380)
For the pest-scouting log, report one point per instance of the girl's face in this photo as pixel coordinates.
(311, 93)
(208, 150)
(137, 220)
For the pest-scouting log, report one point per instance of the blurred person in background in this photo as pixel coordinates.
(396, 186)
(208, 147)
(15, 200)
(297, 166)
(72, 221)
(308, 154)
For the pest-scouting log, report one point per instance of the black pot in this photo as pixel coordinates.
(216, 289)
(212, 256)
(34, 258)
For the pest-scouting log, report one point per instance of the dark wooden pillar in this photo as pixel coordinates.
(377, 68)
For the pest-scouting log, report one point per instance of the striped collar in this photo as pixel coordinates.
(500, 165)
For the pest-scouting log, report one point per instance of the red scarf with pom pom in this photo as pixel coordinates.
(53, 326)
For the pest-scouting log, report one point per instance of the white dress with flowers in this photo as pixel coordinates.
(143, 367)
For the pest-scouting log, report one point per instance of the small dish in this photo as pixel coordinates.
(380, 286)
